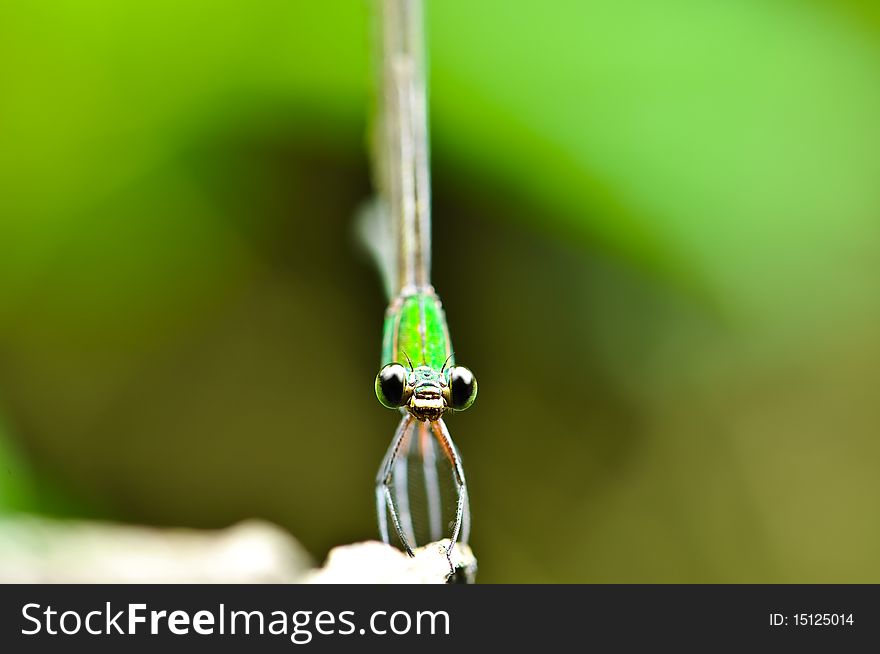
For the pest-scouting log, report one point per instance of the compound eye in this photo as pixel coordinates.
(391, 386)
(462, 388)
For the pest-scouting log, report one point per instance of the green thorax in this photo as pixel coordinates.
(415, 326)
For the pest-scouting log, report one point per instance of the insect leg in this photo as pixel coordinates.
(446, 444)
(384, 500)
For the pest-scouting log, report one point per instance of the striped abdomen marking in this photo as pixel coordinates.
(416, 325)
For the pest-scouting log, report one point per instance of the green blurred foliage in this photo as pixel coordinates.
(657, 239)
(16, 492)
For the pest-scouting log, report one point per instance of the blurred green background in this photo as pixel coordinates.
(657, 237)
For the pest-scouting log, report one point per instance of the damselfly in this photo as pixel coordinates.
(421, 475)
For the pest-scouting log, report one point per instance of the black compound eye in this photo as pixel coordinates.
(391, 385)
(462, 388)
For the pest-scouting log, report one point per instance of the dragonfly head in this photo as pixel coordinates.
(427, 401)
(425, 392)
